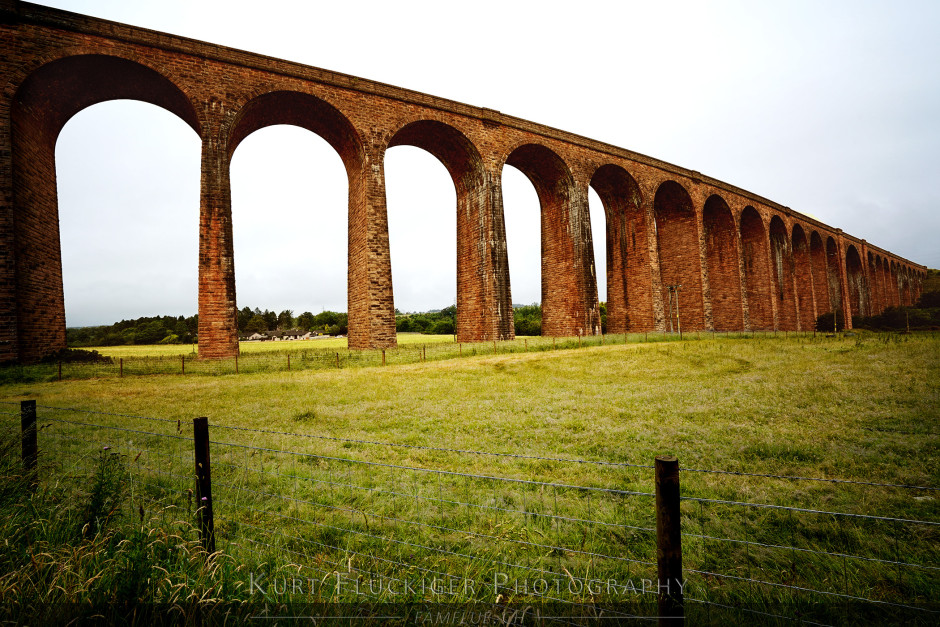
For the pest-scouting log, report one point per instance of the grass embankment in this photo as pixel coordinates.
(862, 408)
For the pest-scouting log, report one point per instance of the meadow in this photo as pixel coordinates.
(379, 470)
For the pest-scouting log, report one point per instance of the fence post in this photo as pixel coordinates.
(553, 343)
(236, 364)
(383, 356)
(669, 541)
(204, 483)
(182, 364)
(121, 371)
(30, 447)
(460, 349)
(288, 362)
(424, 353)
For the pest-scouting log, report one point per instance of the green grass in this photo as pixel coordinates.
(862, 408)
(293, 346)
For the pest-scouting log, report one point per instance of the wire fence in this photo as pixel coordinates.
(388, 522)
(293, 358)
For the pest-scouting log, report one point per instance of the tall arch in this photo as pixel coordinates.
(817, 253)
(43, 103)
(757, 281)
(679, 261)
(782, 260)
(877, 284)
(721, 250)
(484, 308)
(803, 279)
(835, 282)
(629, 292)
(855, 276)
(569, 289)
(317, 116)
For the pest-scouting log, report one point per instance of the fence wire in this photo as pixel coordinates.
(360, 518)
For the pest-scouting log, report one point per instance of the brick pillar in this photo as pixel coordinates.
(771, 276)
(484, 304)
(707, 316)
(843, 281)
(656, 281)
(9, 343)
(371, 302)
(742, 280)
(218, 331)
(588, 309)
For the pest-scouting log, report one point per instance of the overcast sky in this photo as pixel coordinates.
(830, 108)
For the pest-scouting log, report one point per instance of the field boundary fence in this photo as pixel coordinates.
(328, 518)
(309, 358)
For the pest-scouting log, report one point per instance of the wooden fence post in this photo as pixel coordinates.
(182, 364)
(236, 364)
(30, 446)
(204, 483)
(669, 542)
(383, 356)
(288, 362)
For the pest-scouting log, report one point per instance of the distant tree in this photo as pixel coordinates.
(256, 325)
(270, 319)
(305, 321)
(150, 333)
(243, 317)
(929, 300)
(285, 320)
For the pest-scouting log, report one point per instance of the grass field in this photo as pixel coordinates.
(861, 408)
(159, 350)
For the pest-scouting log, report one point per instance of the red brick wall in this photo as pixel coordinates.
(659, 230)
(721, 244)
(803, 280)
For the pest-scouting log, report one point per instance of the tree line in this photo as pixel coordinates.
(184, 330)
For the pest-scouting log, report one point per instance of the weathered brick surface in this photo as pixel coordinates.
(741, 258)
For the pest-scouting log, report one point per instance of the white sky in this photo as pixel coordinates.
(830, 108)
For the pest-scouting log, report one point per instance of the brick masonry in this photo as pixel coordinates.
(745, 262)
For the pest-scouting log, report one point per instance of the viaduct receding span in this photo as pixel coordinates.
(744, 262)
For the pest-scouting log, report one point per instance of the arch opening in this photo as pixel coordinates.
(782, 261)
(855, 275)
(834, 274)
(724, 279)
(483, 309)
(629, 293)
(757, 281)
(568, 289)
(679, 262)
(289, 242)
(803, 279)
(817, 252)
(47, 99)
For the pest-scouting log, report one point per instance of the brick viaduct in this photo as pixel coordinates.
(744, 262)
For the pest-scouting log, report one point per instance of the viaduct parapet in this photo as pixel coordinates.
(744, 262)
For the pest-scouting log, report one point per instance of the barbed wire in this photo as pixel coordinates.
(812, 551)
(809, 511)
(443, 528)
(113, 428)
(848, 597)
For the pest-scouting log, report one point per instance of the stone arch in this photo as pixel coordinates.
(721, 251)
(782, 274)
(855, 276)
(45, 100)
(757, 281)
(876, 281)
(834, 273)
(569, 290)
(326, 121)
(484, 307)
(803, 279)
(817, 253)
(679, 258)
(629, 292)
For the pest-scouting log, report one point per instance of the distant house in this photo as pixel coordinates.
(254, 337)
